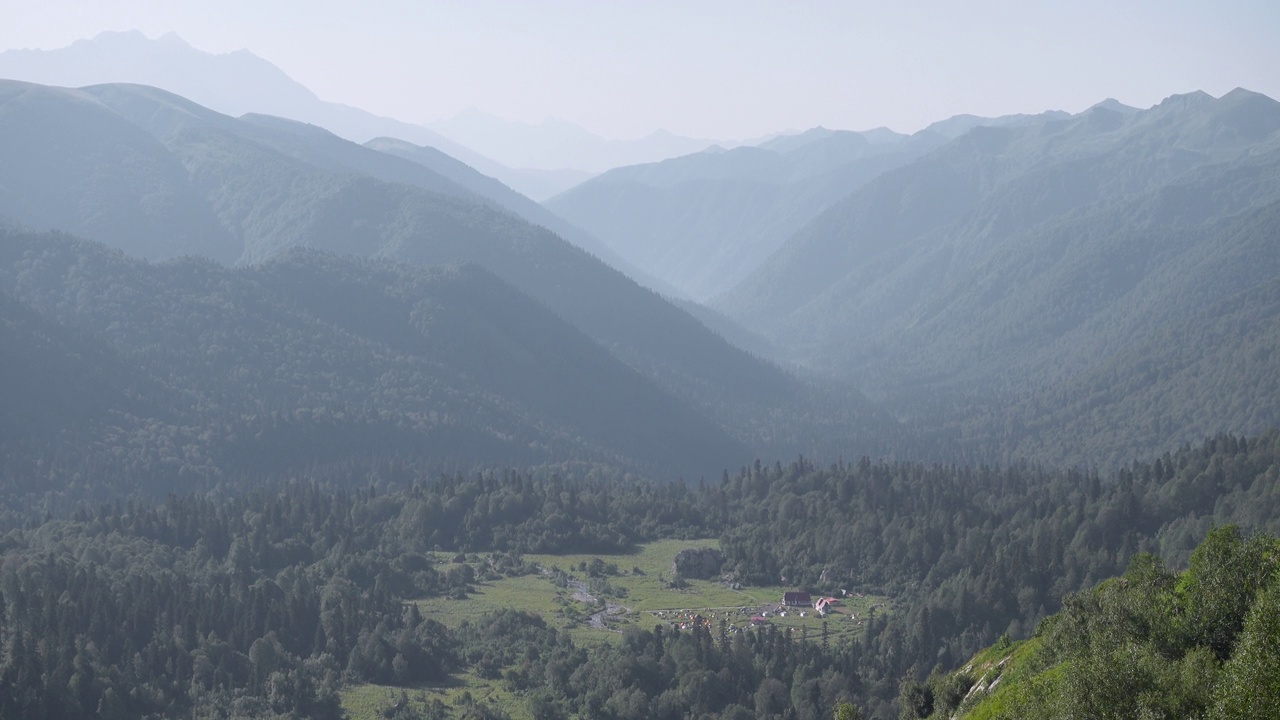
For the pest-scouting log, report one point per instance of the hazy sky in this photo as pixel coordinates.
(719, 69)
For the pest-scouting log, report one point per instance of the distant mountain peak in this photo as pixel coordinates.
(1243, 95)
(1113, 105)
(174, 39)
(1195, 97)
(113, 35)
(233, 83)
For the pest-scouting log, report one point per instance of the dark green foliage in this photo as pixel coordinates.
(1151, 643)
(672, 674)
(1249, 686)
(268, 601)
(975, 553)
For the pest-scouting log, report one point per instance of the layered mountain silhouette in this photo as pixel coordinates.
(500, 196)
(703, 222)
(235, 84)
(160, 177)
(1067, 288)
(560, 145)
(1060, 287)
(309, 358)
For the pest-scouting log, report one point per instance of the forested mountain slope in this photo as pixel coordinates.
(501, 196)
(1014, 269)
(702, 222)
(1151, 643)
(309, 579)
(310, 359)
(69, 162)
(254, 187)
(54, 380)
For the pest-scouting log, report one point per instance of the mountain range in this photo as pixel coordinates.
(1042, 286)
(555, 144)
(1075, 289)
(703, 222)
(234, 84)
(538, 160)
(160, 177)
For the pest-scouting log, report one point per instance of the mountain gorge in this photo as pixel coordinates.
(703, 222)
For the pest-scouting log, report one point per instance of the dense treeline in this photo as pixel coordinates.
(264, 604)
(250, 606)
(978, 552)
(762, 673)
(268, 600)
(1150, 644)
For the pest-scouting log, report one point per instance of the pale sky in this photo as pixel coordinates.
(722, 69)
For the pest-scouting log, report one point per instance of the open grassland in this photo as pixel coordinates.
(641, 583)
(367, 702)
(641, 593)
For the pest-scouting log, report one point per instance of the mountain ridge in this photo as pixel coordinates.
(263, 185)
(233, 83)
(446, 353)
(983, 270)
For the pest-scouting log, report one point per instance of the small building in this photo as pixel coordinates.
(824, 605)
(757, 620)
(797, 599)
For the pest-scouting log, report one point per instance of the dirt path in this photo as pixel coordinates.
(583, 595)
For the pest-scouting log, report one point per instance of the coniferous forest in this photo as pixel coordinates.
(265, 602)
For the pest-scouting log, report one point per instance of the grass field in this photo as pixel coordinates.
(646, 594)
(366, 702)
(641, 587)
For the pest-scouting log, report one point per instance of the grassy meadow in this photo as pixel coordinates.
(641, 586)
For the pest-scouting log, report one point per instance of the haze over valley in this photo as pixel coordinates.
(313, 409)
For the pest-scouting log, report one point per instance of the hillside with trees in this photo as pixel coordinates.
(269, 601)
(312, 359)
(245, 190)
(1045, 289)
(1151, 643)
(268, 398)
